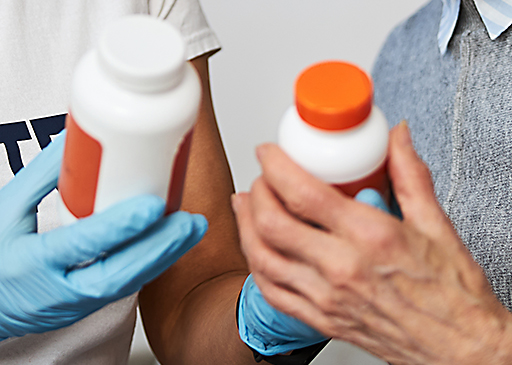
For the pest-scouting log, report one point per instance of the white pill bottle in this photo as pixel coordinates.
(134, 102)
(334, 132)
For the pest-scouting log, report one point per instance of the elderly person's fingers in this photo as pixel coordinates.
(288, 234)
(301, 193)
(266, 261)
(412, 183)
(313, 200)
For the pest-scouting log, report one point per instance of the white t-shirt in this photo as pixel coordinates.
(40, 43)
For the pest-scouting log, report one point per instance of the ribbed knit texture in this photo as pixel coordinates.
(459, 109)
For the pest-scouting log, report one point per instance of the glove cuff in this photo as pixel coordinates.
(302, 356)
(266, 330)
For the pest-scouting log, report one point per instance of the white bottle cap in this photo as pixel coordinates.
(142, 53)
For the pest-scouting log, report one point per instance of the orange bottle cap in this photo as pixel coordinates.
(333, 95)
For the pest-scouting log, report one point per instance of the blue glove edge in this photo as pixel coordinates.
(258, 343)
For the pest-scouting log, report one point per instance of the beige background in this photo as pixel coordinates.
(266, 43)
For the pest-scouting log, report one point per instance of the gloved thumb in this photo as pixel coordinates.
(91, 237)
(33, 182)
(142, 259)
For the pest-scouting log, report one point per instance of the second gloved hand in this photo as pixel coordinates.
(127, 245)
(271, 332)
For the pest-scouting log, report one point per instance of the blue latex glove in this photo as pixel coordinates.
(271, 332)
(372, 197)
(128, 245)
(267, 330)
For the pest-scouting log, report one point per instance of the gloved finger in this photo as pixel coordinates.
(91, 237)
(143, 259)
(303, 310)
(276, 324)
(373, 198)
(33, 182)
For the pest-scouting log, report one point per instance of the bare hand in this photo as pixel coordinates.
(407, 291)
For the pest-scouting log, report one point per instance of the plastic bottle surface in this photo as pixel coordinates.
(334, 132)
(134, 102)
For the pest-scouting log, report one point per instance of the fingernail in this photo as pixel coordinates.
(406, 134)
(260, 152)
(234, 202)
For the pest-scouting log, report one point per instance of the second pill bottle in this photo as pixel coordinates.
(334, 132)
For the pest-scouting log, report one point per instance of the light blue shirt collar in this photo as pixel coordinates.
(496, 15)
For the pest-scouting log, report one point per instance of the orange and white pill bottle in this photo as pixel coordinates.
(134, 102)
(334, 132)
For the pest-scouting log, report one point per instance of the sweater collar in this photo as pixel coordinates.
(496, 15)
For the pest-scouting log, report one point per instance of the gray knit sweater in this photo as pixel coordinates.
(459, 109)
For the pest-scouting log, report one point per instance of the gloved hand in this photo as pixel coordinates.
(127, 246)
(271, 332)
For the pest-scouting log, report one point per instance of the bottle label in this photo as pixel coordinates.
(378, 180)
(178, 175)
(80, 170)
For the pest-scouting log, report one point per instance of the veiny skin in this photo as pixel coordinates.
(407, 291)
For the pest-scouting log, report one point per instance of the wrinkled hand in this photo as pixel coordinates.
(407, 291)
(129, 245)
(271, 332)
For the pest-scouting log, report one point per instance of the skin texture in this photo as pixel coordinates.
(407, 291)
(189, 311)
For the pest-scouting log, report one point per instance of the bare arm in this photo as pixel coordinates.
(189, 311)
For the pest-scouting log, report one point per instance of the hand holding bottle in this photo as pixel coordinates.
(271, 332)
(127, 246)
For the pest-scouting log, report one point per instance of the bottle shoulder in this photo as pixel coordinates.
(96, 99)
(335, 156)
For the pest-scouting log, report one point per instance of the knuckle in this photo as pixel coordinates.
(267, 223)
(272, 297)
(380, 238)
(327, 303)
(296, 203)
(304, 198)
(269, 295)
(385, 239)
(339, 325)
(331, 330)
(258, 263)
(341, 276)
(265, 266)
(274, 301)
(295, 310)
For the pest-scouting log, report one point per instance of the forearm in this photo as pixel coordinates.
(189, 312)
(205, 331)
